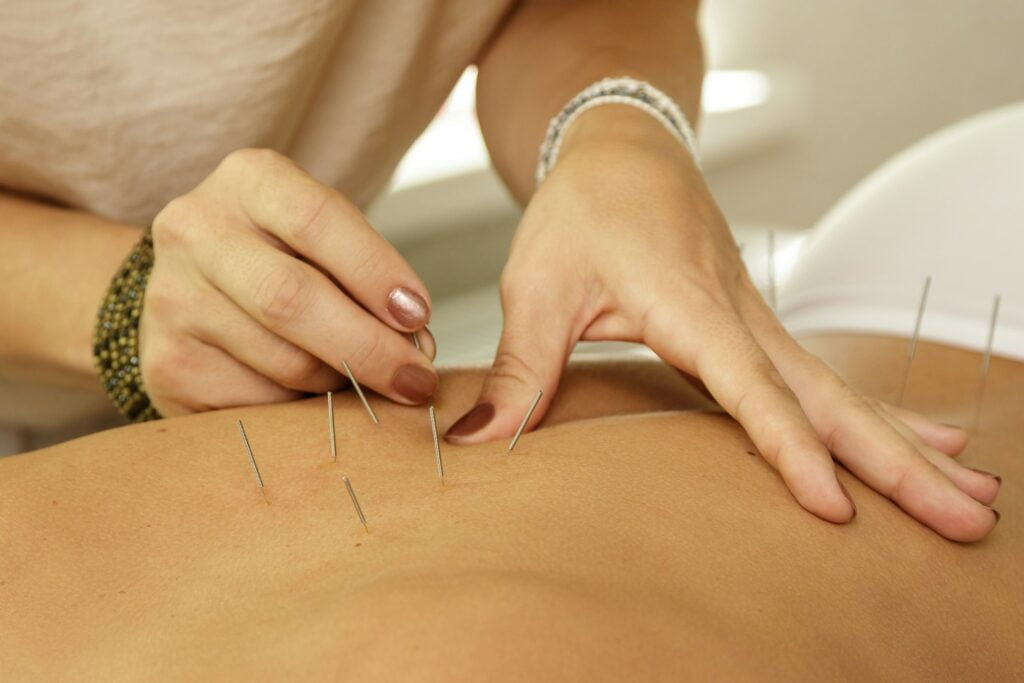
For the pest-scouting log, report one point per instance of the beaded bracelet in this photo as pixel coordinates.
(116, 338)
(624, 90)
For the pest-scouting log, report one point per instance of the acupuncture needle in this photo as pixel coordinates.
(355, 502)
(359, 390)
(437, 445)
(330, 424)
(533, 406)
(252, 460)
(986, 360)
(913, 340)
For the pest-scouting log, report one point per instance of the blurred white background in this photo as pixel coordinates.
(879, 75)
(848, 85)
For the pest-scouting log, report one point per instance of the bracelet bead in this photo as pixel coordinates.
(624, 90)
(116, 336)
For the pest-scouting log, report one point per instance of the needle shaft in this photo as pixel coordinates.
(330, 425)
(986, 361)
(912, 349)
(355, 502)
(522, 426)
(359, 391)
(437, 444)
(252, 459)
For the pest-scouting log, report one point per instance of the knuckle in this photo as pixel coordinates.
(372, 265)
(178, 222)
(759, 409)
(509, 367)
(171, 301)
(296, 369)
(363, 355)
(899, 486)
(248, 158)
(822, 374)
(159, 298)
(282, 295)
(306, 223)
(748, 400)
(165, 369)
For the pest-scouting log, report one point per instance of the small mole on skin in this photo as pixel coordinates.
(751, 453)
(122, 592)
(358, 544)
(54, 501)
(161, 429)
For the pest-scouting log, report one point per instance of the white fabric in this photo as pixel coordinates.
(118, 107)
(952, 207)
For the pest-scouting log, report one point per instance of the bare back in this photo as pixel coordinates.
(631, 536)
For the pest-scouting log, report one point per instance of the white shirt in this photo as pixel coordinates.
(118, 107)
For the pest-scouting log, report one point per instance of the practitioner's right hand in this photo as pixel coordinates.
(264, 282)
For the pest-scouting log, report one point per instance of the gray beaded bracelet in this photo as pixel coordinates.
(624, 90)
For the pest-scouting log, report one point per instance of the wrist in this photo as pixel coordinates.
(627, 130)
(58, 266)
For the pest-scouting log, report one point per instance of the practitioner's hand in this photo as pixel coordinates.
(623, 241)
(264, 282)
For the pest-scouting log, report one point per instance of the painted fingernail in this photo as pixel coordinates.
(414, 382)
(408, 307)
(472, 422)
(988, 474)
(849, 498)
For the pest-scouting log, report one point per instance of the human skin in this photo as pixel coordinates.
(265, 282)
(624, 241)
(629, 537)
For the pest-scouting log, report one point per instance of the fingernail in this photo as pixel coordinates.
(414, 382)
(408, 307)
(988, 474)
(849, 498)
(472, 422)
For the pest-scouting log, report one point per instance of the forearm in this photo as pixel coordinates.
(56, 265)
(549, 50)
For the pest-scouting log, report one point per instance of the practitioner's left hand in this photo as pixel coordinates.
(623, 241)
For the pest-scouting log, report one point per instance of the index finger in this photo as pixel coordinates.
(297, 302)
(326, 229)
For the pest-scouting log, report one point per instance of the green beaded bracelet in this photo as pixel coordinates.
(116, 338)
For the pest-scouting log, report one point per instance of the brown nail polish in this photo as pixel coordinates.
(988, 474)
(849, 498)
(408, 307)
(472, 422)
(414, 382)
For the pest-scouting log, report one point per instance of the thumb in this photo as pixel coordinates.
(533, 350)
